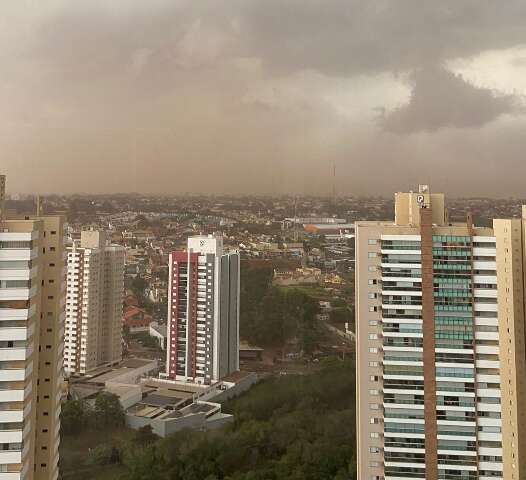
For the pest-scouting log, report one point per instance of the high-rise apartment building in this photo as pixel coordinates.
(440, 345)
(32, 287)
(95, 289)
(203, 306)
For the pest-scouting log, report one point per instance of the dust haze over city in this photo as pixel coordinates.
(262, 240)
(263, 97)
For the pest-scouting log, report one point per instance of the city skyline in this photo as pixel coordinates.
(266, 97)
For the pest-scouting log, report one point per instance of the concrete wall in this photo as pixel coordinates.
(235, 389)
(133, 376)
(218, 420)
(163, 428)
(127, 398)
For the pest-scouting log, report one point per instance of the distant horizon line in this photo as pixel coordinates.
(27, 196)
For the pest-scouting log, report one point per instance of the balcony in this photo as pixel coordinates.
(11, 416)
(18, 273)
(12, 395)
(7, 354)
(12, 375)
(14, 254)
(10, 456)
(11, 476)
(15, 333)
(17, 313)
(10, 436)
(18, 293)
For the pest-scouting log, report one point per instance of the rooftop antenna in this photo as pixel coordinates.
(2, 201)
(334, 182)
(295, 219)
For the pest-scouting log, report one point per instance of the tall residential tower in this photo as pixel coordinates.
(440, 345)
(32, 287)
(95, 289)
(203, 323)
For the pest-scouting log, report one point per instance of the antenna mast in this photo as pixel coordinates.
(2, 201)
(296, 219)
(334, 182)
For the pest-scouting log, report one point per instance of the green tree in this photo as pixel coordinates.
(139, 286)
(108, 411)
(144, 436)
(103, 454)
(74, 416)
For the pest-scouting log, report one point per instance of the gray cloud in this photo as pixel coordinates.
(164, 96)
(441, 99)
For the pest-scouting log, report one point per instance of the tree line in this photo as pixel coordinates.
(271, 316)
(299, 427)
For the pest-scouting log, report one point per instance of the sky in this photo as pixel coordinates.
(263, 96)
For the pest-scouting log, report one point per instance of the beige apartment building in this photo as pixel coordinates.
(32, 288)
(95, 290)
(440, 345)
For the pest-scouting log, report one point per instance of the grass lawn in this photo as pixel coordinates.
(74, 450)
(314, 291)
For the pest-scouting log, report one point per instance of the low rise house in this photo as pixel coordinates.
(136, 319)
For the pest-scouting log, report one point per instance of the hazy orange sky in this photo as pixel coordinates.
(263, 96)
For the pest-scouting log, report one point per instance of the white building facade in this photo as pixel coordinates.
(203, 324)
(429, 383)
(95, 290)
(32, 289)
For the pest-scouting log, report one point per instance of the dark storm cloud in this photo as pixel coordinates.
(335, 36)
(356, 36)
(441, 99)
(237, 96)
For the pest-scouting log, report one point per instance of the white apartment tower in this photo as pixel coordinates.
(203, 323)
(32, 288)
(441, 371)
(95, 289)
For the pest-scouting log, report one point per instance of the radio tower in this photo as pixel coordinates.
(296, 219)
(334, 183)
(2, 201)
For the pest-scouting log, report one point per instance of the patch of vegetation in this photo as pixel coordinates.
(298, 427)
(271, 316)
(79, 415)
(92, 437)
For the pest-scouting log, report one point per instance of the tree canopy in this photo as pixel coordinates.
(299, 427)
(270, 316)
